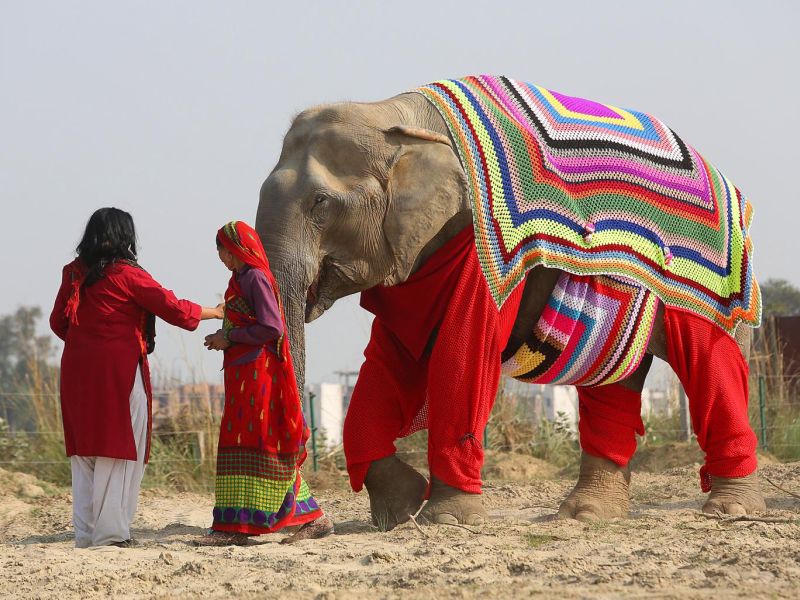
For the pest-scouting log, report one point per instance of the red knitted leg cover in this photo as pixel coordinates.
(713, 372)
(463, 377)
(389, 393)
(610, 418)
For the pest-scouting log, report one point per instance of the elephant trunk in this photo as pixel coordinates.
(293, 285)
(295, 324)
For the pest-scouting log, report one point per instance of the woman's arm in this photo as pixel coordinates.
(163, 303)
(58, 318)
(217, 312)
(259, 295)
(269, 323)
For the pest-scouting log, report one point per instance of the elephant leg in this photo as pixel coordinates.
(610, 418)
(452, 506)
(396, 491)
(602, 491)
(388, 395)
(713, 371)
(463, 376)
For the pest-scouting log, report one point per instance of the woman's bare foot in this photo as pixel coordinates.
(223, 538)
(320, 528)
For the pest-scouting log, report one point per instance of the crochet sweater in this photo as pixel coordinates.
(593, 189)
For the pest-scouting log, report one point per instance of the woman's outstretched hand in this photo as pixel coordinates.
(216, 341)
(218, 312)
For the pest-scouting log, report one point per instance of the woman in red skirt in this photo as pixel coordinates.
(259, 488)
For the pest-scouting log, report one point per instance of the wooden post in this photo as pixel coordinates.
(311, 397)
(762, 409)
(199, 447)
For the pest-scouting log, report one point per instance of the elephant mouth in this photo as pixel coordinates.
(312, 297)
(316, 302)
(332, 282)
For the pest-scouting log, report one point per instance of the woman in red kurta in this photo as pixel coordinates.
(102, 312)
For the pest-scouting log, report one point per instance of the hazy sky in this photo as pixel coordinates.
(175, 111)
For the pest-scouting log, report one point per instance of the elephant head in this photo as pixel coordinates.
(361, 195)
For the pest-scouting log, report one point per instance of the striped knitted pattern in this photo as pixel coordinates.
(597, 190)
(593, 331)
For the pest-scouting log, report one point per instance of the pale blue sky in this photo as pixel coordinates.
(175, 111)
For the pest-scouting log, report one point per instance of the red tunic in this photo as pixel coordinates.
(102, 351)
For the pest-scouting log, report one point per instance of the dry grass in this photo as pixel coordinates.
(184, 447)
(180, 461)
(774, 397)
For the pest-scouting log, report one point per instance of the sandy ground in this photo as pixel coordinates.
(666, 550)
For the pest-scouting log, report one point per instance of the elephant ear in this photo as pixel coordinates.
(420, 134)
(425, 187)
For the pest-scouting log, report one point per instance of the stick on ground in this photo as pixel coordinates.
(785, 491)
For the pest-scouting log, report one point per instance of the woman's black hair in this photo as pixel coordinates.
(109, 236)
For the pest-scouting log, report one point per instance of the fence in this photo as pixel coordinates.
(188, 454)
(775, 371)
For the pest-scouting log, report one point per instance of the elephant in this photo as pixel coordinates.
(363, 195)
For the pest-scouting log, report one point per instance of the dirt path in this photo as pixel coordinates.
(666, 550)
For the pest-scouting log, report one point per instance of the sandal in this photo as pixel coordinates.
(129, 543)
(223, 538)
(314, 530)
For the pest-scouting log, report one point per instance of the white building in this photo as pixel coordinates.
(535, 401)
(328, 410)
(539, 401)
(560, 403)
(655, 403)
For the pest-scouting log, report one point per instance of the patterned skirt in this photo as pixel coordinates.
(259, 487)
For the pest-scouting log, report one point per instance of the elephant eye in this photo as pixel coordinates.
(319, 209)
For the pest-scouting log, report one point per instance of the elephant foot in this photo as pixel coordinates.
(602, 491)
(451, 506)
(396, 491)
(735, 496)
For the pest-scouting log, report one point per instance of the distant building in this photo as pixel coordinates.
(536, 401)
(189, 398)
(331, 401)
(329, 410)
(656, 403)
(561, 404)
(553, 402)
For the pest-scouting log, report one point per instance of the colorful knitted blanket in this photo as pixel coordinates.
(597, 190)
(594, 330)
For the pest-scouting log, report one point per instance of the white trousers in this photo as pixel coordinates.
(105, 491)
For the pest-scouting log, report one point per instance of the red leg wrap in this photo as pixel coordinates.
(451, 390)
(464, 375)
(713, 373)
(388, 395)
(610, 418)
